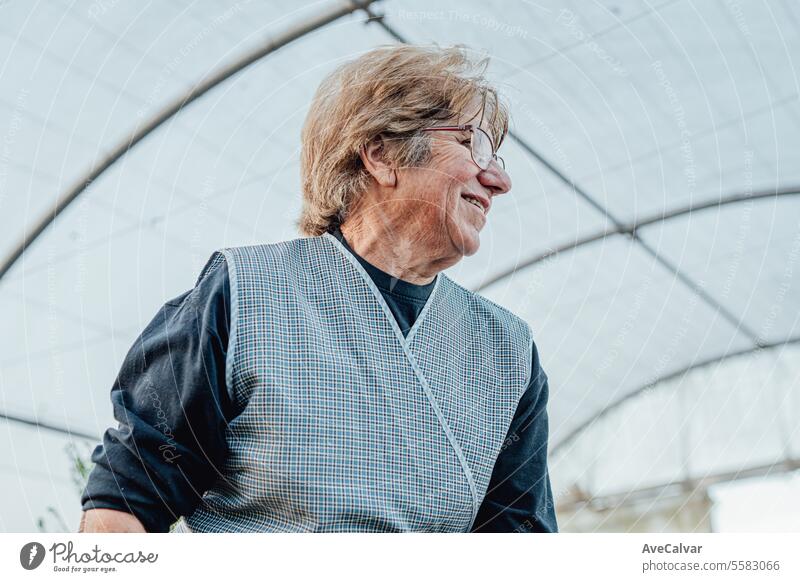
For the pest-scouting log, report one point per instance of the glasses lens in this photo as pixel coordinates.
(481, 148)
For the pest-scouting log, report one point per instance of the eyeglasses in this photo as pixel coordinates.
(481, 145)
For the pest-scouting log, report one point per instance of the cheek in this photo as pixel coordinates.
(464, 172)
(452, 176)
(442, 183)
(454, 164)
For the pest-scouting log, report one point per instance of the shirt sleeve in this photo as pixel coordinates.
(519, 497)
(173, 407)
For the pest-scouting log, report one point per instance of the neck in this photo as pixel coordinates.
(395, 249)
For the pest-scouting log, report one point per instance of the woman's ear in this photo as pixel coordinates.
(373, 156)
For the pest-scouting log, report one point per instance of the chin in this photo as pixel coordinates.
(465, 237)
(469, 244)
(472, 249)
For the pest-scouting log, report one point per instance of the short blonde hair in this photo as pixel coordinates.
(392, 91)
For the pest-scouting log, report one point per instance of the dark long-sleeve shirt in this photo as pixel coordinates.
(173, 406)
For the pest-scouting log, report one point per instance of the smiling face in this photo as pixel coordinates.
(450, 198)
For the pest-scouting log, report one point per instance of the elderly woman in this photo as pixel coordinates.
(341, 381)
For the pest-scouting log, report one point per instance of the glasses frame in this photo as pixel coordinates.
(471, 129)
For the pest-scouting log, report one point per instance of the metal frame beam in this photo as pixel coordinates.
(575, 433)
(620, 226)
(631, 228)
(48, 426)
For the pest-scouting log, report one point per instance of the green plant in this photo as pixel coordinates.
(80, 467)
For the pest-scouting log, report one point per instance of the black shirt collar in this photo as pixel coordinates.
(386, 282)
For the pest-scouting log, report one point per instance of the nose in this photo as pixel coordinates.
(495, 179)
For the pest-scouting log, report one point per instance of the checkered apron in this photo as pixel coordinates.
(346, 425)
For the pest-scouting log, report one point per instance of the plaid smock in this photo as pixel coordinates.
(346, 425)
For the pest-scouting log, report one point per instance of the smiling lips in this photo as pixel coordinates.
(479, 202)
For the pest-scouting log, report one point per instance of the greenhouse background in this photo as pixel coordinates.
(651, 239)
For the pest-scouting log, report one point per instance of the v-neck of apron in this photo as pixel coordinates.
(406, 340)
(405, 343)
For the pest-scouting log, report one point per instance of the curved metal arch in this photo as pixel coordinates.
(575, 433)
(631, 228)
(339, 9)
